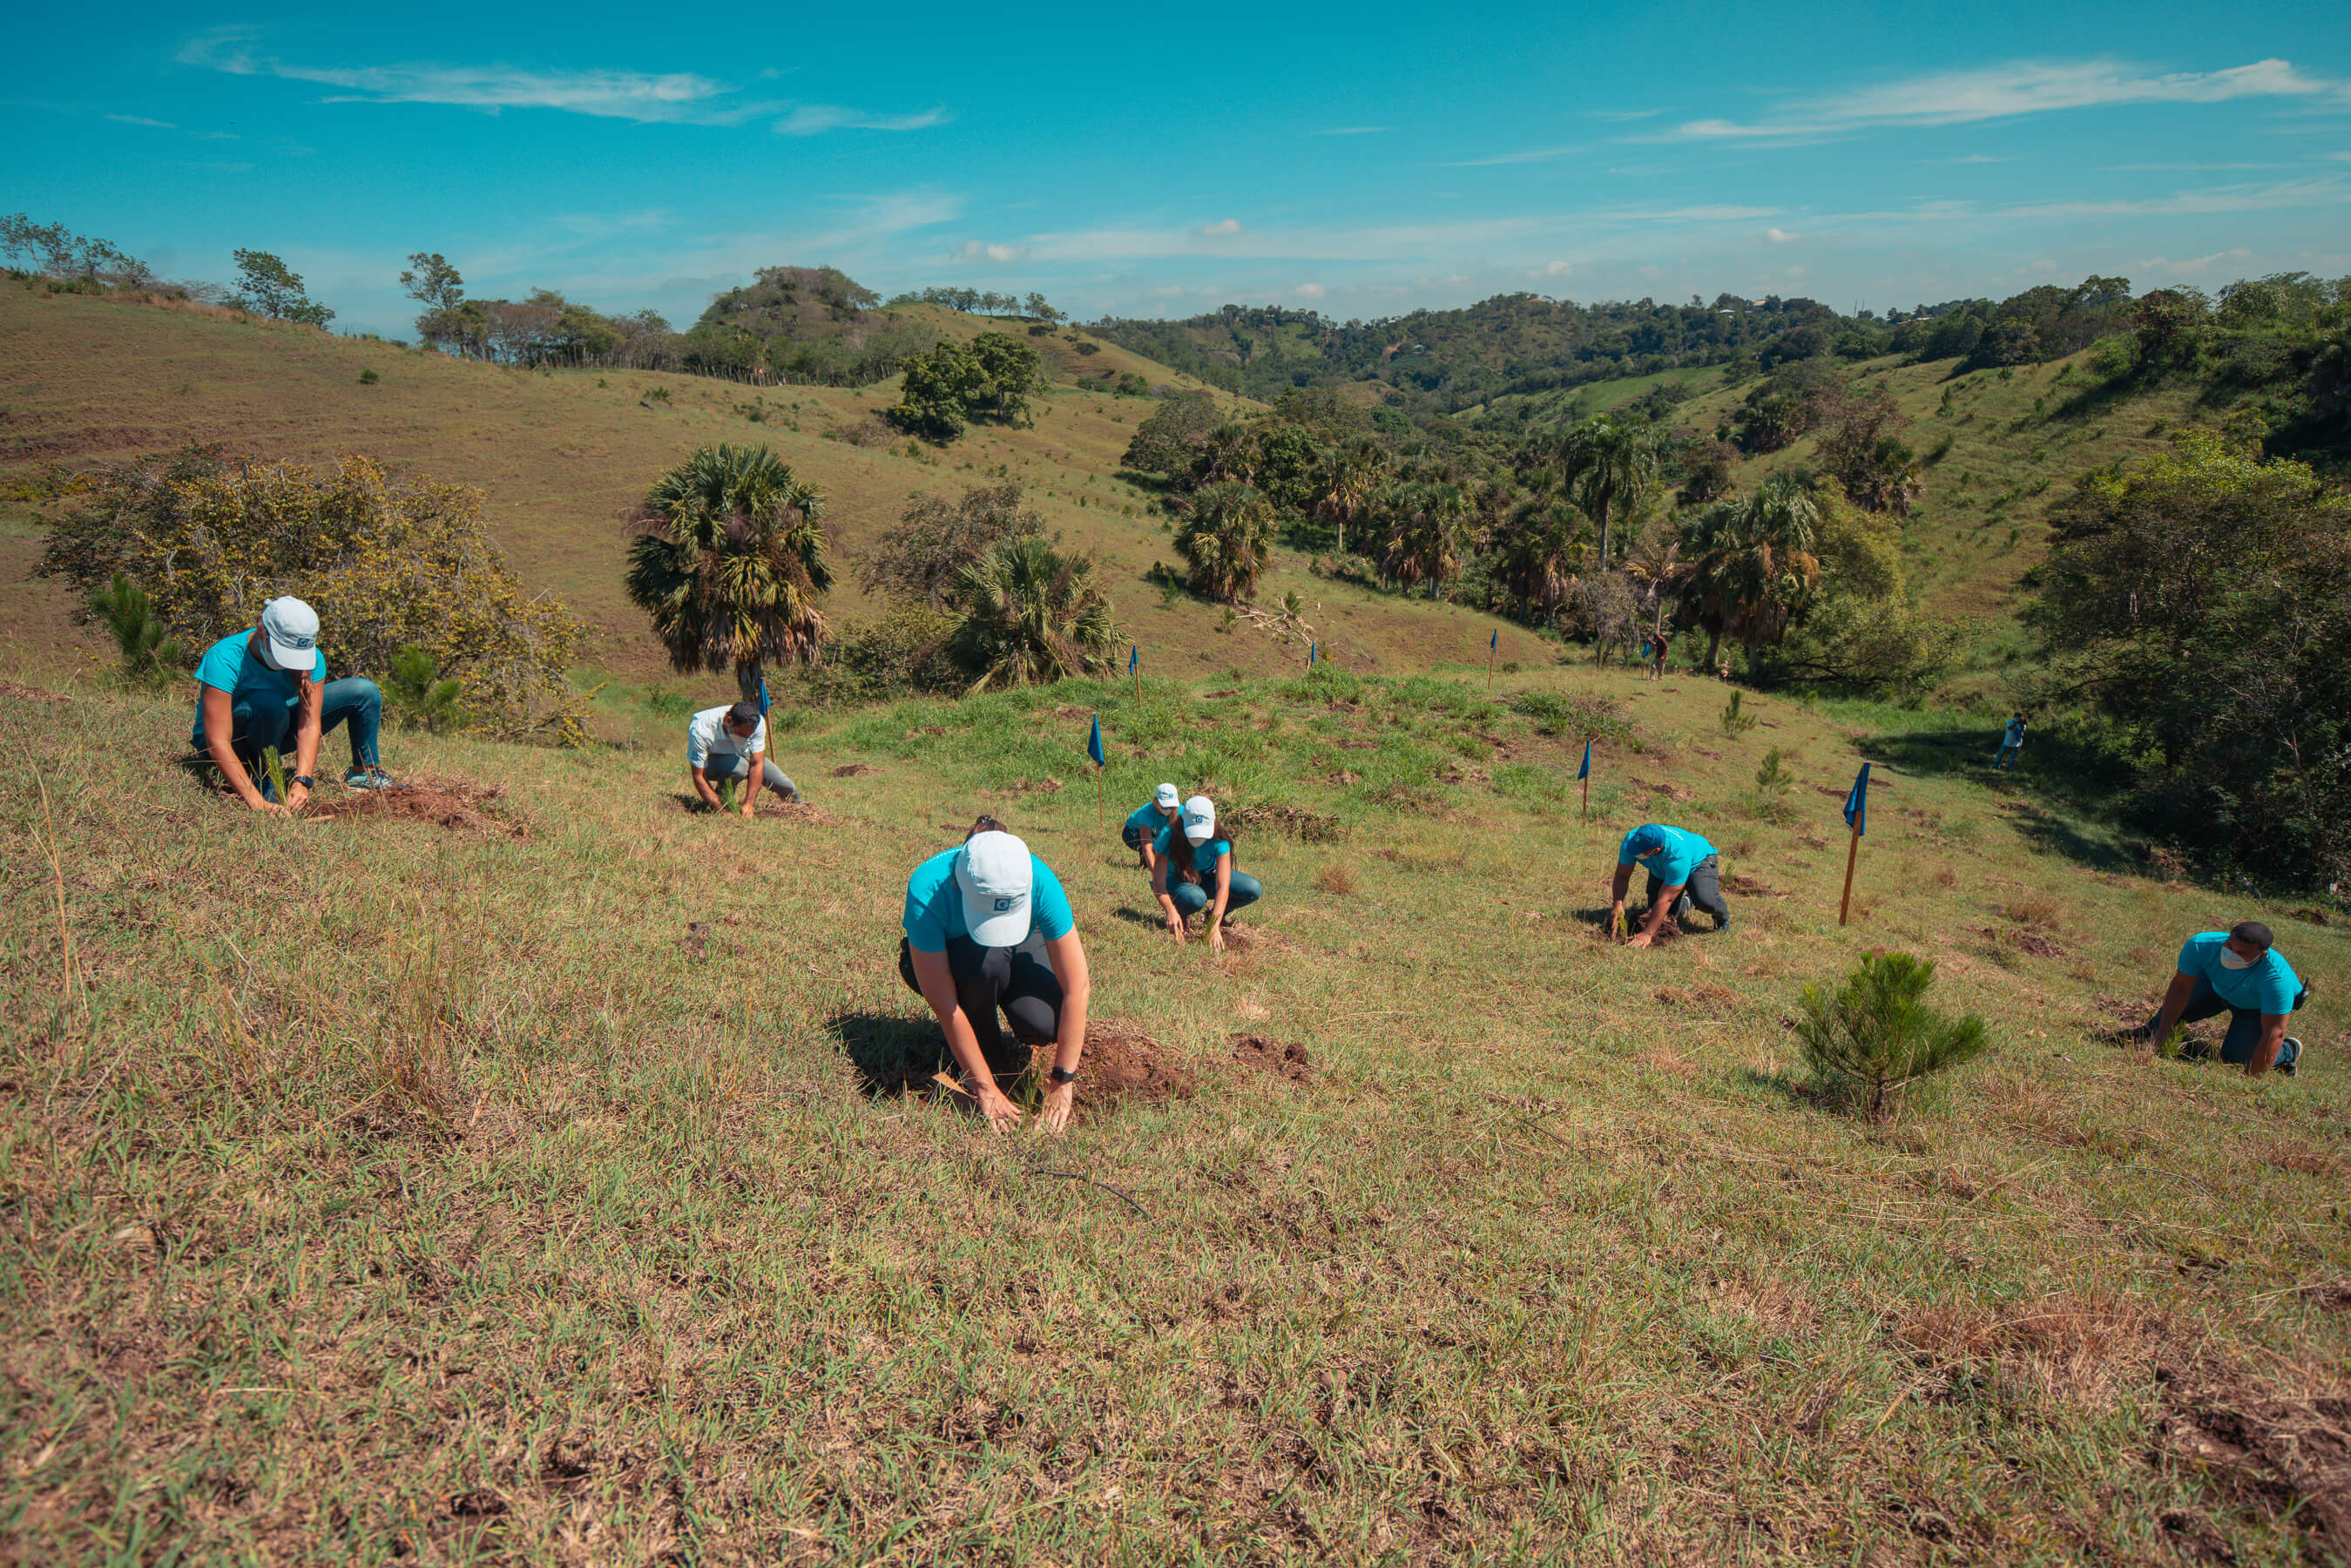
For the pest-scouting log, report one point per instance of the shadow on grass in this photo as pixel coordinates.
(890, 1052)
(2054, 770)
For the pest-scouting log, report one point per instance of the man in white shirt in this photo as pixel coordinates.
(724, 742)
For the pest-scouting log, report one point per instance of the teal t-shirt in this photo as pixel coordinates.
(1149, 819)
(1205, 856)
(1673, 864)
(229, 666)
(934, 904)
(2267, 986)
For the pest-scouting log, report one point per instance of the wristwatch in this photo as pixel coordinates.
(1062, 1075)
(304, 780)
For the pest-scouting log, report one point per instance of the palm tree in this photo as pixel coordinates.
(1610, 467)
(1354, 472)
(1226, 540)
(729, 561)
(1428, 530)
(1030, 615)
(1753, 563)
(1538, 550)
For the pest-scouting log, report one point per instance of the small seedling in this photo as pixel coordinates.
(1735, 721)
(1874, 1035)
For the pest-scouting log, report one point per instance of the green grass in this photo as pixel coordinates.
(372, 1192)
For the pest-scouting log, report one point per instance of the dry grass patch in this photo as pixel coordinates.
(2061, 1348)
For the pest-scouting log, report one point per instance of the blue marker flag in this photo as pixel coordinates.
(1495, 641)
(1586, 771)
(1093, 743)
(763, 696)
(1133, 653)
(1856, 805)
(1313, 651)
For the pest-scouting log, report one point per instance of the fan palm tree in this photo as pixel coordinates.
(1610, 467)
(1226, 540)
(1353, 472)
(728, 561)
(1031, 615)
(1753, 563)
(1538, 551)
(1428, 530)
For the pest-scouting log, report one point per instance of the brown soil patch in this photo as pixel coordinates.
(1748, 887)
(1239, 938)
(1306, 827)
(794, 811)
(2082, 1350)
(2029, 942)
(2313, 916)
(2270, 1453)
(1289, 1061)
(37, 694)
(1049, 785)
(455, 804)
(1065, 711)
(1674, 792)
(852, 769)
(1343, 776)
(1124, 1066)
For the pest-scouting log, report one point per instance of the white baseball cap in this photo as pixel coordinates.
(289, 635)
(994, 872)
(1199, 819)
(1164, 797)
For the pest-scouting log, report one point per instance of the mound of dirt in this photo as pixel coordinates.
(1285, 1060)
(852, 769)
(2270, 1453)
(1124, 1066)
(1239, 938)
(1306, 827)
(1748, 887)
(457, 805)
(31, 694)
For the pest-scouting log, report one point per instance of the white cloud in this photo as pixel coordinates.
(1532, 155)
(815, 119)
(1558, 269)
(142, 119)
(2005, 91)
(972, 250)
(1782, 236)
(1311, 291)
(2194, 266)
(2042, 265)
(1795, 272)
(1222, 227)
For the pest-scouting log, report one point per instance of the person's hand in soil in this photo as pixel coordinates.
(1176, 928)
(259, 803)
(296, 797)
(1638, 940)
(744, 811)
(1616, 920)
(1215, 939)
(1002, 1114)
(1059, 1100)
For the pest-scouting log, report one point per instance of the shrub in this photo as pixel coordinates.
(368, 377)
(1595, 717)
(1875, 1035)
(419, 696)
(386, 564)
(901, 654)
(150, 654)
(1734, 718)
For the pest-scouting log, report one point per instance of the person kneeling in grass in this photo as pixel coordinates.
(260, 689)
(988, 929)
(1146, 825)
(1684, 869)
(2239, 971)
(1192, 870)
(725, 744)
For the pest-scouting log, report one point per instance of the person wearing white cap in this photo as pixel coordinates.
(268, 687)
(1148, 819)
(1192, 870)
(988, 929)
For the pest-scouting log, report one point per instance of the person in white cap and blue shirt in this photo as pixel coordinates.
(1684, 869)
(990, 930)
(1148, 822)
(1192, 870)
(731, 743)
(268, 688)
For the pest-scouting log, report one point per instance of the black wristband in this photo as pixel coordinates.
(304, 780)
(1062, 1075)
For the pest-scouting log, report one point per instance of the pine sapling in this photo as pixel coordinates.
(150, 653)
(1874, 1035)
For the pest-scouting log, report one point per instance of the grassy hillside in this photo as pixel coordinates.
(559, 455)
(546, 1191)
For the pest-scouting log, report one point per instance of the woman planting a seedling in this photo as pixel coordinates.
(2236, 971)
(1192, 870)
(726, 743)
(256, 690)
(988, 929)
(1149, 819)
(1683, 868)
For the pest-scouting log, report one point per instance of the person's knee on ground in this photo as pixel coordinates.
(775, 778)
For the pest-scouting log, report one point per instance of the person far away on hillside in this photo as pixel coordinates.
(1192, 870)
(1661, 648)
(2240, 972)
(1684, 869)
(731, 743)
(1147, 822)
(264, 687)
(988, 929)
(2012, 741)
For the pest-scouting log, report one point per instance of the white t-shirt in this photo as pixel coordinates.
(707, 735)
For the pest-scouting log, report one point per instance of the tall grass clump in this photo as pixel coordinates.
(1875, 1035)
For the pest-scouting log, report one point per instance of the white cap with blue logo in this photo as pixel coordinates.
(995, 872)
(289, 635)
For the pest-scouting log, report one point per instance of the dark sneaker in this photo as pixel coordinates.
(2194, 1050)
(368, 778)
(2290, 1056)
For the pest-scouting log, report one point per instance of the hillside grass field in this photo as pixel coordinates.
(567, 1186)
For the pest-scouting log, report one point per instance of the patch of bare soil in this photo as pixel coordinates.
(1306, 827)
(2273, 1454)
(1676, 793)
(1288, 1060)
(1239, 938)
(2028, 942)
(794, 811)
(2313, 916)
(457, 805)
(36, 694)
(1748, 887)
(852, 769)
(1124, 1066)
(1670, 931)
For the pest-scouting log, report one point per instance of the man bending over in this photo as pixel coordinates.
(731, 743)
(1683, 870)
(2239, 972)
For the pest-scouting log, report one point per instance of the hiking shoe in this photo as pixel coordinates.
(2290, 1057)
(368, 778)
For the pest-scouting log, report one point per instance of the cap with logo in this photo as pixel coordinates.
(1645, 839)
(1166, 797)
(994, 872)
(289, 635)
(1199, 819)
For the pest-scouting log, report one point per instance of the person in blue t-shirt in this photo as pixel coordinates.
(269, 687)
(1684, 869)
(2012, 741)
(988, 928)
(1192, 870)
(2240, 971)
(1148, 822)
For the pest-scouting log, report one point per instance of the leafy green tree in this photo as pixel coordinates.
(150, 654)
(728, 561)
(1752, 565)
(272, 289)
(920, 560)
(1609, 466)
(1169, 441)
(1030, 615)
(992, 377)
(2168, 325)
(432, 283)
(1226, 540)
(1875, 1035)
(1426, 525)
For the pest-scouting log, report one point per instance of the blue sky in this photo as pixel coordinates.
(1359, 161)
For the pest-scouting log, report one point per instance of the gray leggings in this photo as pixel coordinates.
(1704, 889)
(719, 769)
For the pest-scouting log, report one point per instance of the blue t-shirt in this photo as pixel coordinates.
(934, 904)
(229, 666)
(2268, 986)
(1148, 819)
(1205, 856)
(1673, 864)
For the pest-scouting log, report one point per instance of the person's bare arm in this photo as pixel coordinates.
(1659, 908)
(1068, 956)
(2175, 1002)
(2265, 1050)
(933, 974)
(751, 789)
(307, 736)
(1616, 896)
(1160, 866)
(220, 740)
(1217, 909)
(709, 792)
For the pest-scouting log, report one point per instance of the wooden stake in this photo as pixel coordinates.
(1098, 795)
(1851, 853)
(1587, 797)
(1489, 666)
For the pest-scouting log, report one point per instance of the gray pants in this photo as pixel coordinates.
(719, 769)
(1704, 889)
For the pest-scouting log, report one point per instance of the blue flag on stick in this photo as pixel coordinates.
(763, 696)
(1093, 743)
(1495, 641)
(1133, 653)
(1313, 651)
(1856, 805)
(1586, 771)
